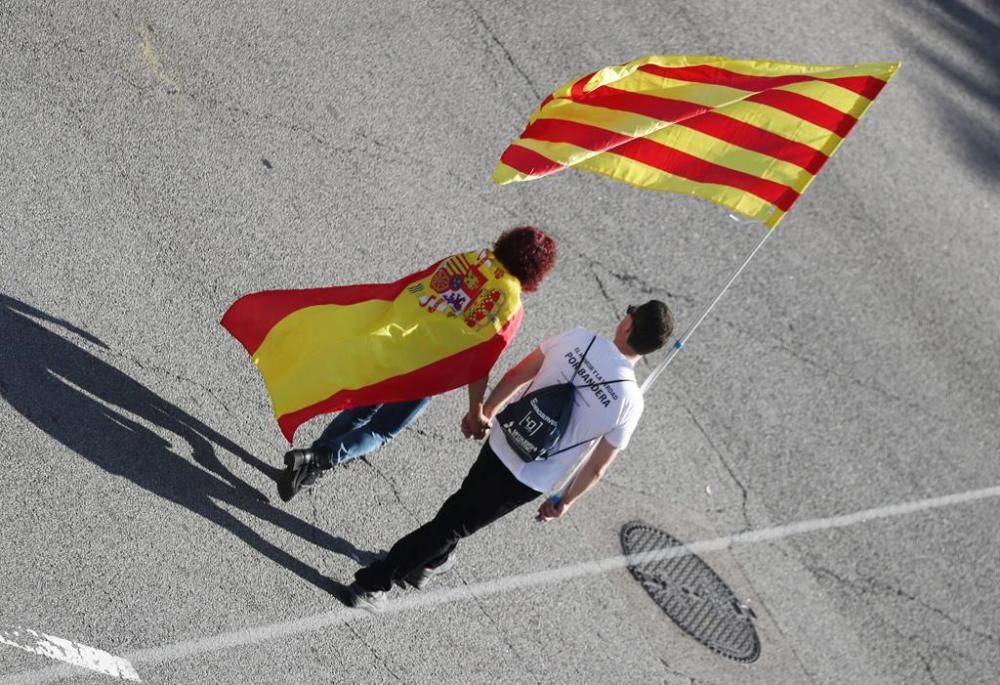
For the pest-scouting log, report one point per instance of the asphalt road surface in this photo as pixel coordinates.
(158, 160)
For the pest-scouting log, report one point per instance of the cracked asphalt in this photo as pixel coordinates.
(158, 160)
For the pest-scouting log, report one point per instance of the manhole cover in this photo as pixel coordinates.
(691, 593)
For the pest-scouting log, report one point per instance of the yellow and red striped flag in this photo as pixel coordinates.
(749, 135)
(321, 350)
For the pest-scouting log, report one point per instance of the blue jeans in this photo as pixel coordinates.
(356, 432)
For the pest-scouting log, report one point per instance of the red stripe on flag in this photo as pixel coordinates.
(752, 138)
(664, 109)
(662, 157)
(579, 134)
(813, 111)
(701, 118)
(528, 162)
(693, 168)
(435, 378)
(868, 86)
(252, 317)
(576, 90)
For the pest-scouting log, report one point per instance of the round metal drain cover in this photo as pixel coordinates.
(691, 593)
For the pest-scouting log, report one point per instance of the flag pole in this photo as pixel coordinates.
(679, 344)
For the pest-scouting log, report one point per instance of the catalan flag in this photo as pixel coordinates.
(749, 135)
(321, 350)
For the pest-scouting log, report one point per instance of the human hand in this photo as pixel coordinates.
(466, 427)
(475, 424)
(552, 508)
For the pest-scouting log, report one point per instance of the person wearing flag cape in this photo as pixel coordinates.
(378, 352)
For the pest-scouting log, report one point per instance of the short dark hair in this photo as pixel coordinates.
(652, 324)
(528, 253)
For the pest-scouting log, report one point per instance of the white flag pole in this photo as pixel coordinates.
(679, 345)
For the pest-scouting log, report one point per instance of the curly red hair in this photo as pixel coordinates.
(528, 253)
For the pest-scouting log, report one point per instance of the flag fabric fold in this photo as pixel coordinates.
(749, 135)
(321, 350)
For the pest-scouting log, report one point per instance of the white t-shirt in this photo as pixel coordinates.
(610, 411)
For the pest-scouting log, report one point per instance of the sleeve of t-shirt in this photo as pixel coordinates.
(554, 341)
(619, 436)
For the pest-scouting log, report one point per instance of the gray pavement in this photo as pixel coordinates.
(158, 160)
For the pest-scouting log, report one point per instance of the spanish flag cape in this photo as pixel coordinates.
(321, 350)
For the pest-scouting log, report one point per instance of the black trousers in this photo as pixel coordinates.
(488, 492)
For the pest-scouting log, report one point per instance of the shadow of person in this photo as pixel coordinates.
(341, 592)
(101, 414)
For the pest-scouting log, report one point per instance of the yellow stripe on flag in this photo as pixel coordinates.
(880, 70)
(623, 123)
(785, 125)
(704, 94)
(832, 95)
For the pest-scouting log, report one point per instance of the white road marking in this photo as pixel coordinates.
(71, 652)
(258, 634)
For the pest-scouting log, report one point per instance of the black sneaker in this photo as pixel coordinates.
(419, 577)
(372, 601)
(302, 468)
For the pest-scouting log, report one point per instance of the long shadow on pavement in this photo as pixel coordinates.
(82, 401)
(962, 33)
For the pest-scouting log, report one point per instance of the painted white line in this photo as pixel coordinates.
(71, 652)
(258, 634)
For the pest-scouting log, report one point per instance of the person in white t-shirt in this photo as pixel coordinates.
(607, 407)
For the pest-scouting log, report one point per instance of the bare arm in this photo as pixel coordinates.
(513, 380)
(593, 470)
(474, 424)
(477, 390)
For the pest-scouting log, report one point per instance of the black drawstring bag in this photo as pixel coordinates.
(534, 423)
